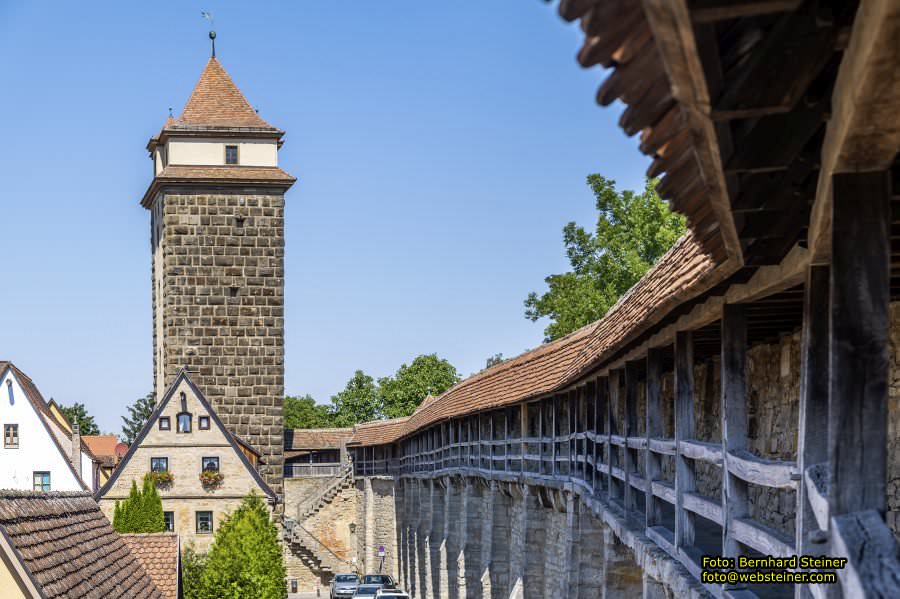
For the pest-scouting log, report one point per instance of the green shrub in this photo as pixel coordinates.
(141, 511)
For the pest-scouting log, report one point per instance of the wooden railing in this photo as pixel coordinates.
(300, 470)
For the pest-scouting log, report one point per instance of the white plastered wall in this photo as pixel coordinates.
(211, 152)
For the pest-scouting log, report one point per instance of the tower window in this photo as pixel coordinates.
(11, 435)
(231, 154)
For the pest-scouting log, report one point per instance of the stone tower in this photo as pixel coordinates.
(217, 238)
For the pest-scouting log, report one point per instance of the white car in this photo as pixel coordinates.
(393, 593)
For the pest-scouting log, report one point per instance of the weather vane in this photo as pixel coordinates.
(212, 33)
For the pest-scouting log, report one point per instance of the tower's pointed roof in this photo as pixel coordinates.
(217, 102)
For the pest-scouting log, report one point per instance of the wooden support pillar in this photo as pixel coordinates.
(734, 420)
(685, 480)
(632, 381)
(654, 429)
(603, 411)
(523, 434)
(615, 485)
(594, 400)
(860, 333)
(541, 435)
(813, 428)
(555, 434)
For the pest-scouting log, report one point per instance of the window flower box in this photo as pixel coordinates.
(210, 479)
(162, 478)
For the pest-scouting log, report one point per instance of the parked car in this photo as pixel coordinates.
(367, 590)
(391, 594)
(343, 585)
(384, 580)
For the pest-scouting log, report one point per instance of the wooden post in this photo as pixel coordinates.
(685, 480)
(554, 432)
(734, 420)
(615, 485)
(632, 380)
(541, 432)
(493, 436)
(860, 330)
(603, 408)
(523, 433)
(506, 443)
(812, 437)
(654, 429)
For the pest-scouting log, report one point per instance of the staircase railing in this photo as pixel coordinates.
(297, 533)
(310, 503)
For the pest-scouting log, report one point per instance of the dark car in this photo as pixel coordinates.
(343, 585)
(367, 590)
(384, 580)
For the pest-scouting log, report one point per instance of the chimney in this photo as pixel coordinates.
(76, 448)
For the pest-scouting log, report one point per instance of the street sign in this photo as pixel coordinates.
(381, 551)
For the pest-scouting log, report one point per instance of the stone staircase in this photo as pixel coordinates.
(325, 494)
(310, 549)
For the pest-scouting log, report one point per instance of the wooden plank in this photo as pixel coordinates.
(673, 32)
(703, 506)
(764, 539)
(685, 481)
(653, 428)
(859, 346)
(777, 474)
(632, 380)
(863, 133)
(778, 71)
(662, 446)
(708, 11)
(663, 490)
(867, 543)
(812, 435)
(816, 491)
(614, 395)
(775, 141)
(701, 450)
(735, 504)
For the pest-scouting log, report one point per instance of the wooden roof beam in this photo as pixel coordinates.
(708, 11)
(673, 31)
(864, 131)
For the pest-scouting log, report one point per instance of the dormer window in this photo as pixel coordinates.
(231, 154)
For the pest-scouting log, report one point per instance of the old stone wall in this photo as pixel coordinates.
(218, 308)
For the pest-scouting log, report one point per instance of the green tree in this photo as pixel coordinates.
(493, 360)
(633, 230)
(245, 560)
(138, 413)
(192, 565)
(141, 511)
(427, 375)
(77, 414)
(304, 412)
(359, 401)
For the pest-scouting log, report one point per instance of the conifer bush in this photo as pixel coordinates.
(141, 511)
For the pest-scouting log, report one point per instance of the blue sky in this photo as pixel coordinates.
(440, 149)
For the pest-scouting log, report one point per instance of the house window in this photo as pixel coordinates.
(41, 481)
(184, 423)
(164, 423)
(203, 423)
(231, 154)
(210, 464)
(169, 519)
(204, 523)
(159, 464)
(11, 435)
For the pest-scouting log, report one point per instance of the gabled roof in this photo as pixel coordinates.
(217, 102)
(44, 415)
(268, 176)
(68, 549)
(103, 447)
(151, 422)
(158, 553)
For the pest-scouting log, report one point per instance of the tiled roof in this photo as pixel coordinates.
(217, 102)
(315, 438)
(69, 548)
(219, 175)
(379, 432)
(158, 553)
(103, 447)
(684, 271)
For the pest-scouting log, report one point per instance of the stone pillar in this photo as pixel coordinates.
(423, 554)
(535, 524)
(369, 559)
(428, 539)
(470, 540)
(590, 555)
(438, 543)
(653, 589)
(621, 576)
(518, 537)
(454, 535)
(487, 539)
(572, 548)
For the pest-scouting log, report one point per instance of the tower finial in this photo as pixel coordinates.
(212, 33)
